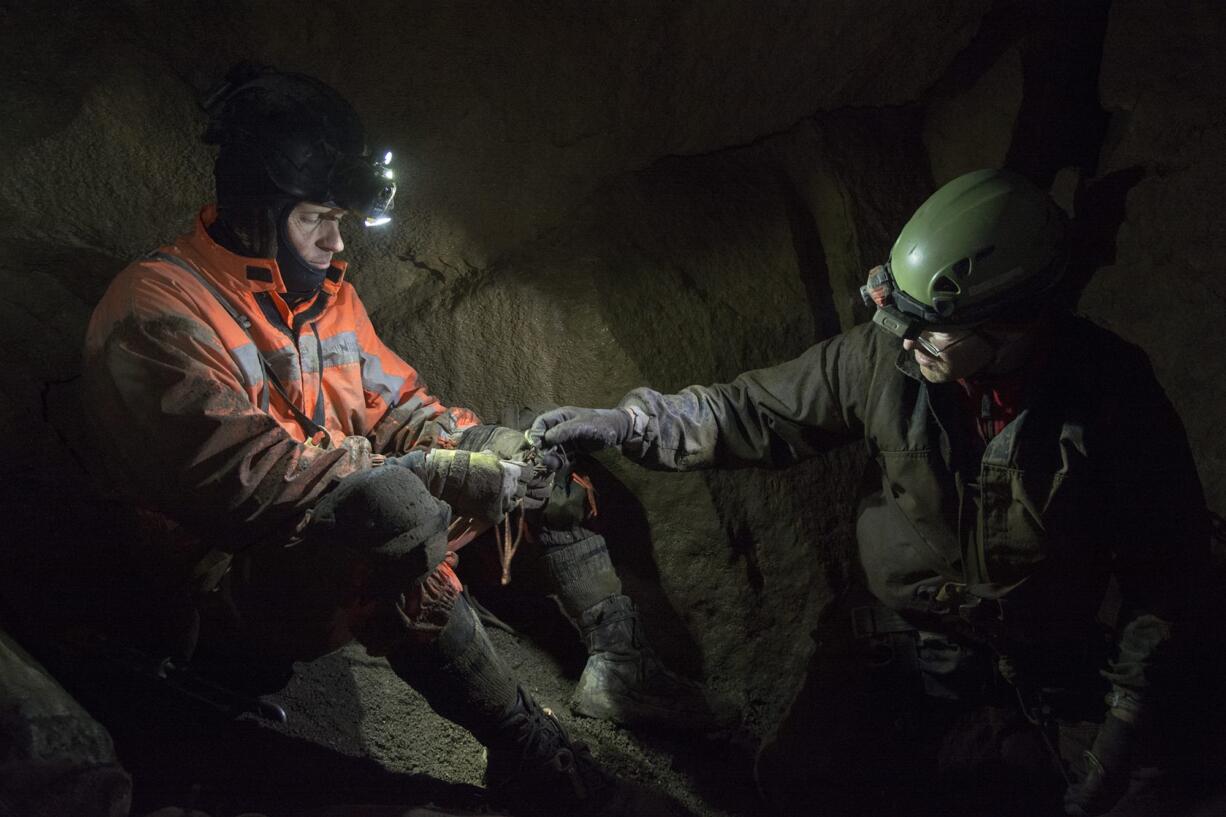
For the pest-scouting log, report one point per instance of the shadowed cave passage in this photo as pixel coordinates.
(638, 194)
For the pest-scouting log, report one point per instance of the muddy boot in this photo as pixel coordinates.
(624, 680)
(533, 768)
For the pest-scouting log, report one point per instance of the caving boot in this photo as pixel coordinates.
(624, 680)
(532, 767)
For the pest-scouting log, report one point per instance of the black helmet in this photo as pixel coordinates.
(287, 136)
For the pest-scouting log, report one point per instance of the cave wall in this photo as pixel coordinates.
(1164, 289)
(601, 196)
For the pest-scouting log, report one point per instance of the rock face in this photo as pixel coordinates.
(56, 759)
(1162, 291)
(623, 195)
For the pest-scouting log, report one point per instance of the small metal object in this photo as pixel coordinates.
(191, 684)
(271, 711)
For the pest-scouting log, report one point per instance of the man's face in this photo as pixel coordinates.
(314, 231)
(986, 349)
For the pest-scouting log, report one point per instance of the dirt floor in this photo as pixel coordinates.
(356, 734)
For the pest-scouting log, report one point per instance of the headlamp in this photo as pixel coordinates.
(896, 313)
(364, 187)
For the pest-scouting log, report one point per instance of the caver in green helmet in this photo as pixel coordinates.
(989, 244)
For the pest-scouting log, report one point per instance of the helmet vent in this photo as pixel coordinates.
(946, 284)
(980, 257)
(962, 268)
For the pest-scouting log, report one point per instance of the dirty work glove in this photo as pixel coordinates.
(538, 484)
(476, 484)
(566, 505)
(1108, 770)
(581, 429)
(507, 443)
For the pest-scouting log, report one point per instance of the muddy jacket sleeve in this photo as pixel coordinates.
(402, 413)
(1157, 537)
(767, 417)
(178, 432)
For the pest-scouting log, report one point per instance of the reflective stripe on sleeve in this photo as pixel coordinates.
(379, 382)
(248, 360)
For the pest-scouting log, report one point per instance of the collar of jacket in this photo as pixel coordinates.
(905, 363)
(242, 272)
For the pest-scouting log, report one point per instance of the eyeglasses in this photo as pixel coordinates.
(937, 342)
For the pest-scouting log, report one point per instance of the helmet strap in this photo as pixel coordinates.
(249, 231)
(998, 346)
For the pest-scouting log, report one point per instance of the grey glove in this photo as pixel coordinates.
(507, 443)
(1108, 770)
(476, 484)
(581, 429)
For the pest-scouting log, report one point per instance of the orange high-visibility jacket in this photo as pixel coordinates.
(192, 423)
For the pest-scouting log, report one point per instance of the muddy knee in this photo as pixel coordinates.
(385, 518)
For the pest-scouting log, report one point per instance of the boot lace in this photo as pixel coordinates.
(545, 753)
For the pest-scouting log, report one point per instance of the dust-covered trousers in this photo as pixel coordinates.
(864, 737)
(371, 563)
(907, 705)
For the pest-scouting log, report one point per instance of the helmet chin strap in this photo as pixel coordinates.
(997, 346)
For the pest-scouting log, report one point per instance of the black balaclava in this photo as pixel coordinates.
(252, 220)
(248, 203)
(302, 280)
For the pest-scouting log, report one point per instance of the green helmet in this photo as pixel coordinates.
(987, 244)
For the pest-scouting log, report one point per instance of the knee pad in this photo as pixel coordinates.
(387, 516)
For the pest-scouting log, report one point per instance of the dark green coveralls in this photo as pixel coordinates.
(1008, 550)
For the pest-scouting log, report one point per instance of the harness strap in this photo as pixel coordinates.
(216, 563)
(312, 427)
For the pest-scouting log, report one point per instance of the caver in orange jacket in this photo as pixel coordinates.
(192, 423)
